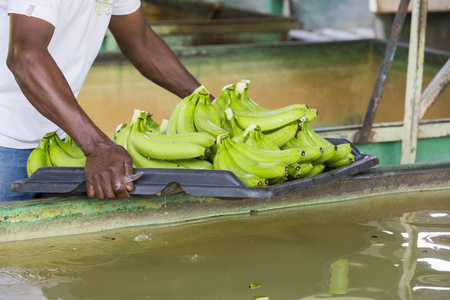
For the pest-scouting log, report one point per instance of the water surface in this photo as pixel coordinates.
(384, 247)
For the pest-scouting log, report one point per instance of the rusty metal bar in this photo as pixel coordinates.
(414, 81)
(364, 135)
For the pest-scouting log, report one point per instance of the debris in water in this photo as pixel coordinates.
(142, 237)
(254, 285)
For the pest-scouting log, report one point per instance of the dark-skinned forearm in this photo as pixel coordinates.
(44, 85)
(151, 55)
(162, 66)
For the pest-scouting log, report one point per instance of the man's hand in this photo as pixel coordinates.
(45, 86)
(105, 168)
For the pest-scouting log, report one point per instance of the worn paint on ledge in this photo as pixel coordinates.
(38, 218)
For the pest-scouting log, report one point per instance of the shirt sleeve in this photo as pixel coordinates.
(125, 7)
(46, 10)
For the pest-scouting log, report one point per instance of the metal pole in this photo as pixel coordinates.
(414, 81)
(363, 136)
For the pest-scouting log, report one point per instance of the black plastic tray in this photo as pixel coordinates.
(206, 183)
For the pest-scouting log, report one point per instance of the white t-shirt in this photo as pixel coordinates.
(80, 26)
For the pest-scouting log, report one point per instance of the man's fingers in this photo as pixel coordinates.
(90, 190)
(128, 170)
(99, 192)
(120, 187)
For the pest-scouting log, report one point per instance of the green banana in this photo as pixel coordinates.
(312, 153)
(222, 102)
(229, 124)
(122, 136)
(224, 161)
(151, 125)
(283, 135)
(173, 120)
(317, 169)
(212, 112)
(294, 171)
(212, 152)
(207, 120)
(60, 158)
(280, 180)
(250, 140)
(116, 132)
(299, 170)
(38, 157)
(237, 105)
(327, 154)
(350, 158)
(265, 142)
(200, 138)
(185, 121)
(305, 168)
(194, 163)
(245, 136)
(164, 150)
(242, 92)
(163, 126)
(273, 119)
(141, 161)
(285, 157)
(72, 150)
(311, 115)
(249, 165)
(316, 138)
(303, 137)
(342, 151)
(69, 140)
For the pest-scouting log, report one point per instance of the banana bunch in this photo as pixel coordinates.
(52, 151)
(151, 148)
(251, 170)
(333, 156)
(298, 168)
(195, 114)
(281, 129)
(260, 146)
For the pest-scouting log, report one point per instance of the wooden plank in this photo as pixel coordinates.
(435, 88)
(414, 81)
(390, 6)
(223, 26)
(389, 132)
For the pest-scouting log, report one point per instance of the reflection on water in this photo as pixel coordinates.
(378, 248)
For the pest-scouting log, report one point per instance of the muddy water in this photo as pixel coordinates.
(389, 247)
(339, 86)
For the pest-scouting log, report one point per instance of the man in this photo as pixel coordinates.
(46, 49)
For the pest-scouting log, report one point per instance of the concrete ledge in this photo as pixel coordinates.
(20, 220)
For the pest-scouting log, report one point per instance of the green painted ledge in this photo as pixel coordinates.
(20, 220)
(428, 149)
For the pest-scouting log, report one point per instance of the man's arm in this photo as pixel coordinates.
(150, 54)
(45, 86)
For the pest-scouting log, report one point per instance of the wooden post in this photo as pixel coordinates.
(414, 81)
(435, 88)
